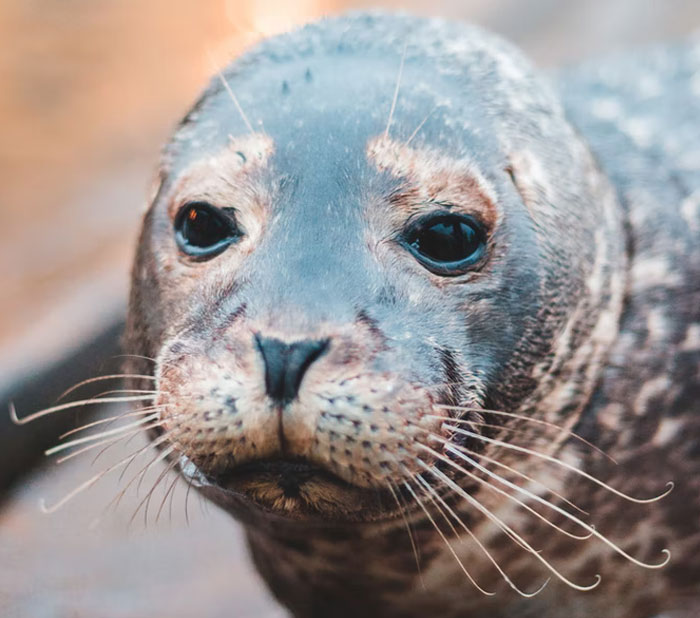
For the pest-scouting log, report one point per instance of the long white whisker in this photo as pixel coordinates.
(110, 419)
(563, 464)
(556, 508)
(447, 543)
(103, 434)
(113, 376)
(514, 499)
(67, 406)
(522, 417)
(500, 464)
(505, 527)
(466, 528)
(89, 483)
(414, 547)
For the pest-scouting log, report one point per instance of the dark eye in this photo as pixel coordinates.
(446, 244)
(204, 231)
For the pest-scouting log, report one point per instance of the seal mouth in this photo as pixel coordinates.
(288, 474)
(298, 489)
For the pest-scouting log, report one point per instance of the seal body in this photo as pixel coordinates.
(396, 285)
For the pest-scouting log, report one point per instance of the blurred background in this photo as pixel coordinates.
(89, 89)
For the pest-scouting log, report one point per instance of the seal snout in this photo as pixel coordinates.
(286, 364)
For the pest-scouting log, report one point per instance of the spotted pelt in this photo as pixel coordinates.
(434, 393)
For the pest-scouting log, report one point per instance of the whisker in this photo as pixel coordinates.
(67, 406)
(514, 471)
(109, 441)
(480, 544)
(554, 507)
(396, 92)
(109, 420)
(149, 495)
(170, 490)
(98, 436)
(160, 457)
(447, 543)
(528, 419)
(118, 497)
(112, 376)
(414, 547)
(505, 527)
(86, 484)
(234, 98)
(420, 126)
(511, 497)
(563, 464)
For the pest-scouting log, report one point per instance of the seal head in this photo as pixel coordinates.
(363, 229)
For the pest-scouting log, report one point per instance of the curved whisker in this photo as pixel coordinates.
(414, 546)
(517, 500)
(563, 464)
(518, 473)
(447, 543)
(67, 406)
(556, 508)
(505, 527)
(109, 420)
(522, 417)
(466, 528)
(112, 376)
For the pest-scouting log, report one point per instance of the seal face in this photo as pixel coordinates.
(379, 254)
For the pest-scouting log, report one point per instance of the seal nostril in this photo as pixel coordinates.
(286, 364)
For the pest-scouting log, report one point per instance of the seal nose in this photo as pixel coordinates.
(286, 364)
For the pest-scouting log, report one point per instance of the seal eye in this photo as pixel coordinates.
(446, 244)
(204, 231)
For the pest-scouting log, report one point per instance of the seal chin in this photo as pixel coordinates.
(293, 489)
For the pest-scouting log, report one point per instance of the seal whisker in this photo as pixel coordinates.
(90, 482)
(510, 496)
(169, 491)
(488, 554)
(113, 376)
(444, 538)
(563, 464)
(109, 420)
(505, 527)
(396, 92)
(67, 406)
(98, 436)
(402, 509)
(109, 441)
(231, 94)
(149, 495)
(157, 459)
(554, 507)
(420, 126)
(522, 417)
(514, 471)
(118, 497)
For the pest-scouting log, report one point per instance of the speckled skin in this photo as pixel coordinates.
(586, 314)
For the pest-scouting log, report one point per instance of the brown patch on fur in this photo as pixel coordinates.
(431, 179)
(219, 178)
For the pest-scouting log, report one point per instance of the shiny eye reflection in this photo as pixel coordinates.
(446, 244)
(203, 231)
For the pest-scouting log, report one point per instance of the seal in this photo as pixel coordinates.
(393, 288)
